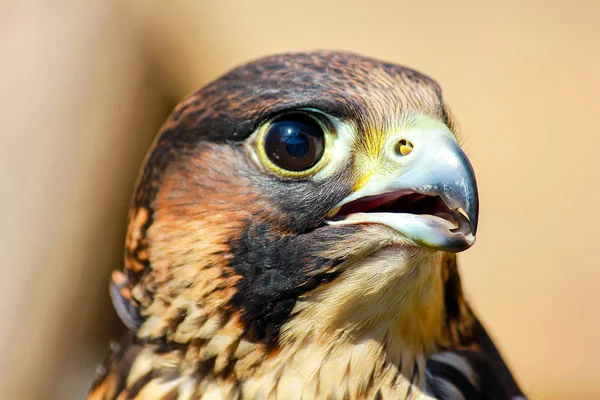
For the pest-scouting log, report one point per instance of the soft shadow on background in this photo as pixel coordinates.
(84, 87)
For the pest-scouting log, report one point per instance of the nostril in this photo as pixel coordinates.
(404, 147)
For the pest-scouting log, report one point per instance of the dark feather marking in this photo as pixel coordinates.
(454, 376)
(453, 294)
(138, 385)
(413, 379)
(498, 378)
(276, 269)
(173, 394)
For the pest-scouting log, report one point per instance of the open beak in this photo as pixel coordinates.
(429, 197)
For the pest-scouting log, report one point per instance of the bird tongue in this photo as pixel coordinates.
(390, 202)
(368, 203)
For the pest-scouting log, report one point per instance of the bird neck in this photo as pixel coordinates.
(370, 329)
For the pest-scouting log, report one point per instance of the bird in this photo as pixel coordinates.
(293, 234)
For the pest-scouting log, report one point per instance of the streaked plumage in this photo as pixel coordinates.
(244, 279)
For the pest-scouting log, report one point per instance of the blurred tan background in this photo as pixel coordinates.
(84, 86)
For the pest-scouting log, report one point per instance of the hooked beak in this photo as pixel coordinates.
(429, 197)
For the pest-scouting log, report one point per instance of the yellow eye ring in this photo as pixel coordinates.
(295, 144)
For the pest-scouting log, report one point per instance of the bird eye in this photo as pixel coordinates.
(294, 142)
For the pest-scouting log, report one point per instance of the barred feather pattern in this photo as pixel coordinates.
(135, 371)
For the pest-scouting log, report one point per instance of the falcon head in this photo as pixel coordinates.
(301, 204)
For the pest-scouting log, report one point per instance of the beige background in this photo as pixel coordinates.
(84, 87)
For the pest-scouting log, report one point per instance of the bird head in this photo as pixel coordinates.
(314, 197)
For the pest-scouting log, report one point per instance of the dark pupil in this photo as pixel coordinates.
(294, 142)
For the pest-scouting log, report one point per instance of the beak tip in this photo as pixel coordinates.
(473, 222)
(473, 213)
